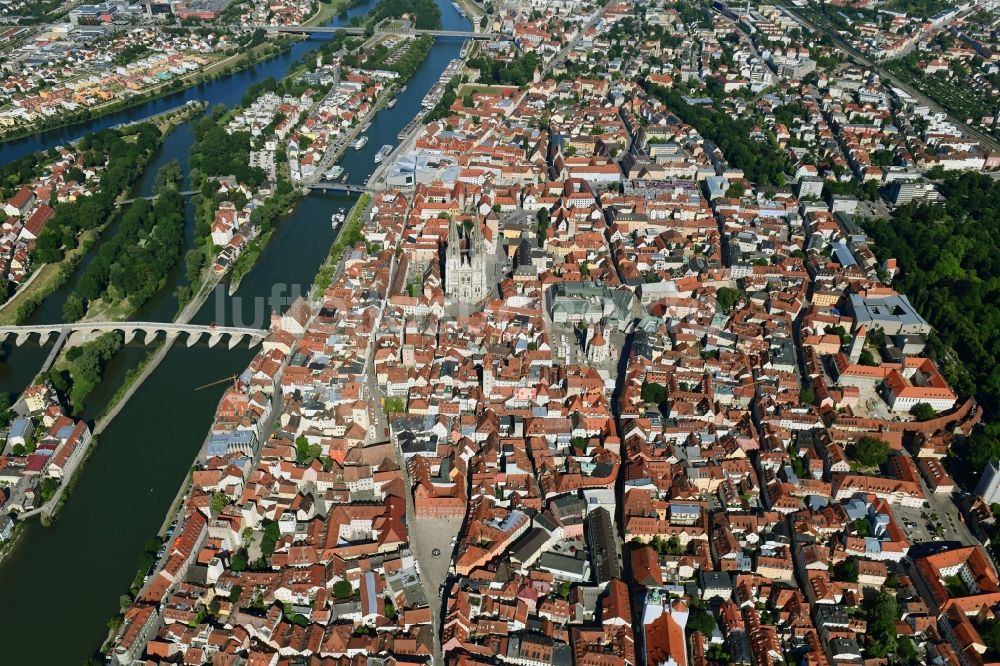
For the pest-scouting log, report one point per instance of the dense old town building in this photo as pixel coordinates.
(604, 383)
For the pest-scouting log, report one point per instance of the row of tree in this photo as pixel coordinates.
(133, 264)
(426, 14)
(125, 162)
(761, 160)
(84, 368)
(407, 63)
(216, 152)
(519, 72)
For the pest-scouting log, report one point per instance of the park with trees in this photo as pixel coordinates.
(949, 266)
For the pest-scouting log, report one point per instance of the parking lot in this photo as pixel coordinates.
(937, 522)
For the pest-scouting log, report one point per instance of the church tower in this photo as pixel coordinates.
(465, 263)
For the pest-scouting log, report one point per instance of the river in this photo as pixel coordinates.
(67, 578)
(227, 90)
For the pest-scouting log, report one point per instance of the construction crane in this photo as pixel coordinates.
(231, 379)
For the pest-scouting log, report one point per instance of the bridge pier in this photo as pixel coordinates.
(214, 339)
(129, 334)
(77, 337)
(193, 338)
(22, 338)
(255, 341)
(45, 336)
(235, 339)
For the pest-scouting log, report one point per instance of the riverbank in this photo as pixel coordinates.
(145, 453)
(63, 492)
(349, 234)
(134, 379)
(207, 208)
(472, 9)
(227, 65)
(48, 277)
(326, 11)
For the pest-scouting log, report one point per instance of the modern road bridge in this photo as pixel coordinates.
(353, 30)
(129, 329)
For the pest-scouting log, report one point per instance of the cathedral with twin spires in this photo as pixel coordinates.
(465, 263)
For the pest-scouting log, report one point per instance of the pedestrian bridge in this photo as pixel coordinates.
(152, 197)
(151, 330)
(327, 186)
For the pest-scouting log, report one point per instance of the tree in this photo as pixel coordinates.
(807, 396)
(974, 453)
(270, 538)
(882, 613)
(86, 367)
(305, 452)
(726, 297)
(870, 452)
(923, 411)
(219, 501)
(700, 619)
(542, 218)
(394, 405)
(653, 393)
(48, 487)
(6, 415)
(907, 650)
(238, 562)
(990, 631)
(867, 358)
(846, 570)
(74, 307)
(342, 589)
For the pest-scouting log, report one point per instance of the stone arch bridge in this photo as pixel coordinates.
(150, 330)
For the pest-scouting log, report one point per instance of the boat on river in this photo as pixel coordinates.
(361, 142)
(383, 152)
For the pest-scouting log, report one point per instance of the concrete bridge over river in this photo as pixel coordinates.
(327, 186)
